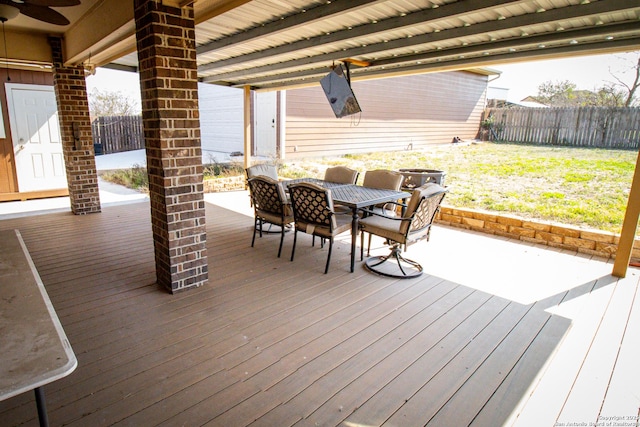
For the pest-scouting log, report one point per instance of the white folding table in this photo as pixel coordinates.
(34, 349)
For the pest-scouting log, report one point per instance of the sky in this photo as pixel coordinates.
(587, 72)
(521, 79)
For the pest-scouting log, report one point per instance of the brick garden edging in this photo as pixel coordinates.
(231, 183)
(592, 242)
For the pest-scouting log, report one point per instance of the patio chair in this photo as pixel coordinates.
(386, 180)
(314, 214)
(399, 232)
(268, 170)
(341, 174)
(270, 206)
(262, 169)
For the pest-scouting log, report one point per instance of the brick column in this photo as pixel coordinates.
(75, 128)
(168, 79)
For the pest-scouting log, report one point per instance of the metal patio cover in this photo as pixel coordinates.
(276, 44)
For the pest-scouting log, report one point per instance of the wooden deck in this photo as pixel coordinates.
(496, 333)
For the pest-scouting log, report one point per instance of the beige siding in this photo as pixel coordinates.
(397, 113)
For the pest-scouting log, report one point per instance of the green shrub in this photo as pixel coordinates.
(135, 178)
(220, 170)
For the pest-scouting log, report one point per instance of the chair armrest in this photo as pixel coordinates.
(393, 218)
(404, 205)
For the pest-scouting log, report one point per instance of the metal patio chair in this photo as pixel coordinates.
(262, 169)
(341, 174)
(314, 214)
(386, 180)
(412, 227)
(270, 206)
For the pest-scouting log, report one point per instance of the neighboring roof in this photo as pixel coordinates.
(268, 44)
(528, 104)
(530, 99)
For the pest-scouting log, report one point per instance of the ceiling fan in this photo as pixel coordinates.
(36, 9)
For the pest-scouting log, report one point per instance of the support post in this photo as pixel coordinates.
(75, 128)
(165, 38)
(629, 226)
(247, 125)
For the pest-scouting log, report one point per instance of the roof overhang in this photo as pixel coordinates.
(270, 45)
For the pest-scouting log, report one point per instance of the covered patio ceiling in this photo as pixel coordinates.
(269, 45)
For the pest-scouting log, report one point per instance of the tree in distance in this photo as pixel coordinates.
(111, 103)
(618, 93)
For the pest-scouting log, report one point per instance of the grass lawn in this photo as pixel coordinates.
(580, 186)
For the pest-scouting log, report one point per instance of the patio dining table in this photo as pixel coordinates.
(321, 182)
(355, 197)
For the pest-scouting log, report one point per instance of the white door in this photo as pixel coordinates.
(265, 124)
(35, 132)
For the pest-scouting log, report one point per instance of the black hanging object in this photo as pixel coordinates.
(6, 54)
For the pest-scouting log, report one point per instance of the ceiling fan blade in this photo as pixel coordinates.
(52, 3)
(42, 13)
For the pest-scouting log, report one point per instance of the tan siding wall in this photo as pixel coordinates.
(397, 113)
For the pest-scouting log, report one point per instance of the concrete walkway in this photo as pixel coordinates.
(129, 159)
(110, 194)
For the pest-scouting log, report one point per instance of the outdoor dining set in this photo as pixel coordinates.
(384, 205)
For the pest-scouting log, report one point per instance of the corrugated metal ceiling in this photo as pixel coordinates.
(271, 44)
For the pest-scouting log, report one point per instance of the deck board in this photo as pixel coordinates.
(506, 402)
(622, 398)
(358, 379)
(442, 387)
(585, 307)
(325, 366)
(493, 370)
(470, 317)
(589, 389)
(273, 342)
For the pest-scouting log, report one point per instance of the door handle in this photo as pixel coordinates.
(21, 145)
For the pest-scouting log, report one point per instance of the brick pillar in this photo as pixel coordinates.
(75, 128)
(168, 80)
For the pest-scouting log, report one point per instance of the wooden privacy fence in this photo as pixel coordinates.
(602, 127)
(114, 134)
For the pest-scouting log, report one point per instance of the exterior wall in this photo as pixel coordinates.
(222, 120)
(399, 113)
(221, 113)
(8, 179)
